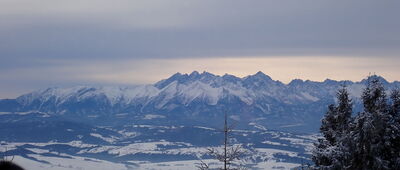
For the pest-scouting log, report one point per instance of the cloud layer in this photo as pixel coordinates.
(60, 42)
(170, 29)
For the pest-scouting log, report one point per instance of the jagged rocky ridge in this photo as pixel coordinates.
(193, 99)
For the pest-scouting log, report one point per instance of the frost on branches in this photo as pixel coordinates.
(370, 140)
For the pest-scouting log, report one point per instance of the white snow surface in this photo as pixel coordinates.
(82, 163)
(153, 116)
(77, 163)
(69, 162)
(107, 139)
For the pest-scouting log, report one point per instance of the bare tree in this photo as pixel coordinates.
(4, 158)
(229, 154)
(7, 164)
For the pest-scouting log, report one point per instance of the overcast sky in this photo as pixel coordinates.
(63, 43)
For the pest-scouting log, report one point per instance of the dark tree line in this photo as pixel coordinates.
(369, 140)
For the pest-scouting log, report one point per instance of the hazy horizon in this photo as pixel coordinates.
(140, 42)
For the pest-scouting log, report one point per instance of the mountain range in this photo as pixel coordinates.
(198, 99)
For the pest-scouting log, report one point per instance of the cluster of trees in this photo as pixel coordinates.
(368, 140)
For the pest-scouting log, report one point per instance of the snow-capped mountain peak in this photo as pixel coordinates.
(253, 96)
(184, 88)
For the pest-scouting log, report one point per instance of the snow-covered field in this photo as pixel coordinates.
(39, 162)
(38, 156)
(144, 146)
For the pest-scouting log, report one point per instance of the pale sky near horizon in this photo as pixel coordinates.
(99, 42)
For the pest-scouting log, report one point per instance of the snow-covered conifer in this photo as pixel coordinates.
(332, 152)
(370, 135)
(394, 130)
